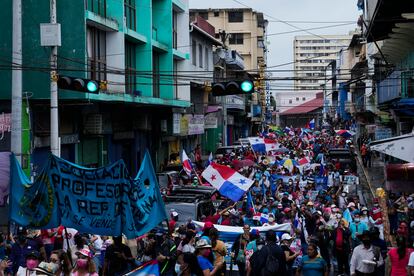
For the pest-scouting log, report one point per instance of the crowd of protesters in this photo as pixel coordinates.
(333, 230)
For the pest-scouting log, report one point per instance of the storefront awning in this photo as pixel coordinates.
(401, 147)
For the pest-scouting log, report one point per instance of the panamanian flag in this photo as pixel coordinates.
(263, 218)
(257, 144)
(270, 144)
(187, 166)
(227, 181)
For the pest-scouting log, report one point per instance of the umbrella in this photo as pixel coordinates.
(289, 164)
(237, 164)
(344, 133)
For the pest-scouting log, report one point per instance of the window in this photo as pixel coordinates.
(236, 38)
(194, 52)
(175, 69)
(155, 75)
(203, 15)
(174, 25)
(303, 99)
(200, 55)
(236, 16)
(130, 13)
(217, 35)
(260, 42)
(96, 51)
(297, 99)
(290, 101)
(130, 67)
(97, 6)
(216, 14)
(206, 57)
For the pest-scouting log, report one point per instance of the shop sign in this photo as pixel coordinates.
(210, 121)
(176, 123)
(196, 124)
(382, 133)
(184, 125)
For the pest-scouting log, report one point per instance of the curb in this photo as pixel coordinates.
(366, 174)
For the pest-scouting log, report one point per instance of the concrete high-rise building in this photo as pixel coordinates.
(312, 55)
(246, 31)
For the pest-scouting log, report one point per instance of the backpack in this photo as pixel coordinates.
(271, 264)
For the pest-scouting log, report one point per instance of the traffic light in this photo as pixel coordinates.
(232, 88)
(78, 84)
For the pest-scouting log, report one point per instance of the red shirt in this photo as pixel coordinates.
(226, 222)
(398, 267)
(172, 224)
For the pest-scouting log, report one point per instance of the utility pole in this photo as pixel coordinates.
(17, 59)
(54, 116)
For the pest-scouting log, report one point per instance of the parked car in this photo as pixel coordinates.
(221, 151)
(168, 179)
(190, 202)
(345, 156)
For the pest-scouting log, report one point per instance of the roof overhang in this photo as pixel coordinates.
(213, 40)
(387, 14)
(401, 147)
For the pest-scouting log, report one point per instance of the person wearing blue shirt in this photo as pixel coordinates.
(203, 250)
(357, 227)
(312, 264)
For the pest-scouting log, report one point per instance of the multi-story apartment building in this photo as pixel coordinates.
(133, 45)
(312, 55)
(246, 30)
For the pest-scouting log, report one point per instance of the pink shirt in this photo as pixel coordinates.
(399, 267)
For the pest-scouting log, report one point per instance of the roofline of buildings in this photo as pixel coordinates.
(201, 31)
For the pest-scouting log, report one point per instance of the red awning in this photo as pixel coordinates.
(305, 107)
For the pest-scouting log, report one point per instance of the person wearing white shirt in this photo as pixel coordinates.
(365, 257)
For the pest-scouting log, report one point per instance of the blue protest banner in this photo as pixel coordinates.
(104, 201)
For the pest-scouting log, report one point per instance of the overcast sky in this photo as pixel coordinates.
(281, 46)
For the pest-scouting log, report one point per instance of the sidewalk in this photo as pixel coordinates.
(374, 175)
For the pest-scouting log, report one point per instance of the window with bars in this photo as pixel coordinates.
(97, 6)
(130, 67)
(236, 38)
(96, 51)
(194, 52)
(200, 55)
(236, 16)
(174, 25)
(155, 75)
(130, 14)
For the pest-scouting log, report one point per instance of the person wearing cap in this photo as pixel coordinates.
(366, 258)
(84, 265)
(357, 227)
(32, 260)
(365, 217)
(22, 247)
(173, 220)
(203, 251)
(290, 256)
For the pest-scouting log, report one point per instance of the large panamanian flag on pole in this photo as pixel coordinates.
(227, 181)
